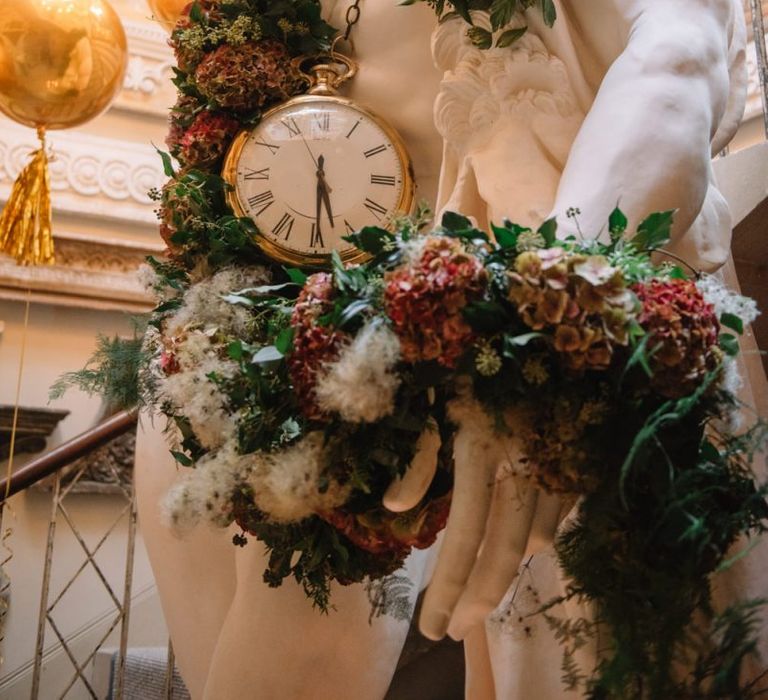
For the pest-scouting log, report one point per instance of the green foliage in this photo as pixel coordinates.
(501, 13)
(112, 371)
(650, 547)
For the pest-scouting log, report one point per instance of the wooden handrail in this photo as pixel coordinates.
(68, 452)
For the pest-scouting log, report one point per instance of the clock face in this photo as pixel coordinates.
(315, 170)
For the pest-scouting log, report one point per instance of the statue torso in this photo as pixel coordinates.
(399, 80)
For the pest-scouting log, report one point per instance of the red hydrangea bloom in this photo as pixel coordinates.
(380, 531)
(246, 77)
(180, 117)
(205, 142)
(684, 331)
(424, 300)
(168, 363)
(313, 345)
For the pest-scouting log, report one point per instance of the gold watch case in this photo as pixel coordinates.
(288, 255)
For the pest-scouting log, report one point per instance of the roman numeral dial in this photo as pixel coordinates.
(314, 170)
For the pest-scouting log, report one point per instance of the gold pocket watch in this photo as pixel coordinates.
(317, 168)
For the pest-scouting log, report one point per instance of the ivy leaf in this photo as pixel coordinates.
(549, 231)
(505, 236)
(181, 458)
(295, 275)
(235, 350)
(549, 11)
(729, 344)
(371, 239)
(480, 37)
(733, 322)
(510, 37)
(617, 224)
(284, 341)
(654, 231)
(677, 273)
(454, 222)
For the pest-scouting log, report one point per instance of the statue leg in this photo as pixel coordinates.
(195, 575)
(275, 644)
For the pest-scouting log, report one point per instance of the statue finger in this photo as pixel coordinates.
(405, 492)
(473, 488)
(512, 515)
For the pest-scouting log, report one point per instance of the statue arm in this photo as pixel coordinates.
(646, 142)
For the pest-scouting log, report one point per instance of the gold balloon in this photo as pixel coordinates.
(61, 61)
(167, 12)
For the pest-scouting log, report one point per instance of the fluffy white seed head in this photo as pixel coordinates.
(362, 384)
(291, 485)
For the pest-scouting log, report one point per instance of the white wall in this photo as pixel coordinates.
(60, 339)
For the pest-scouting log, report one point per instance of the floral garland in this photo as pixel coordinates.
(501, 14)
(299, 399)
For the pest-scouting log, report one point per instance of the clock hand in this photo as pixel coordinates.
(327, 202)
(318, 235)
(325, 189)
(311, 155)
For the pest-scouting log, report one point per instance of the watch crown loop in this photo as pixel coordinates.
(325, 73)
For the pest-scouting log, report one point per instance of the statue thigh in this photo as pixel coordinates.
(274, 644)
(235, 637)
(195, 575)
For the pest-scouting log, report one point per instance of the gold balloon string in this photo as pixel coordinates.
(25, 224)
(5, 508)
(20, 374)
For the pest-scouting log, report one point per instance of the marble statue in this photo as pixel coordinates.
(622, 102)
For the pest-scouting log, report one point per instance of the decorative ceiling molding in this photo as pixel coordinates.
(90, 272)
(91, 176)
(147, 88)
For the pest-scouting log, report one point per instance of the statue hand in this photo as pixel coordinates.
(497, 519)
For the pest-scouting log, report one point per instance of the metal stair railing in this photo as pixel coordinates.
(53, 464)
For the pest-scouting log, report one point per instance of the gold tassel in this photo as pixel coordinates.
(25, 224)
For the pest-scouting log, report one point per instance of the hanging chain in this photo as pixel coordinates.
(352, 17)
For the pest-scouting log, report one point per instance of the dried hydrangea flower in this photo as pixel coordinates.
(684, 331)
(206, 140)
(247, 77)
(425, 298)
(582, 300)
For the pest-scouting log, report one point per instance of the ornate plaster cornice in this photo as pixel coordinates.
(98, 273)
(91, 176)
(147, 87)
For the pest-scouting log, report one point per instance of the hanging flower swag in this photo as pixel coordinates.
(298, 399)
